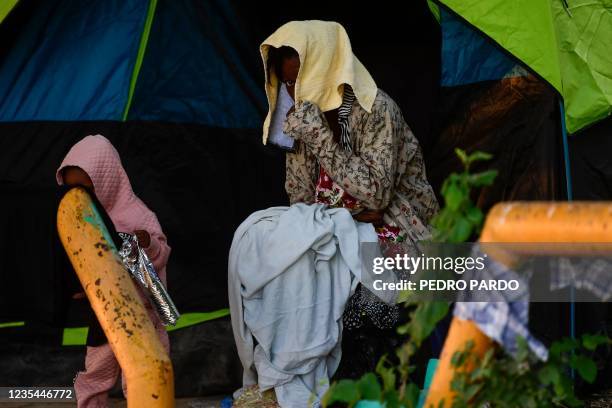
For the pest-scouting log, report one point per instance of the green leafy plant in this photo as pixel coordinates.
(391, 384)
(505, 381)
(460, 218)
(497, 379)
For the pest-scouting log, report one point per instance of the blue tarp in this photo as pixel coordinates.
(73, 61)
(193, 72)
(468, 56)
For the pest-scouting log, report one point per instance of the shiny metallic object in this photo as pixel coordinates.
(141, 268)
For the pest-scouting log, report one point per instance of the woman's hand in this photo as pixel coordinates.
(374, 217)
(302, 118)
(144, 239)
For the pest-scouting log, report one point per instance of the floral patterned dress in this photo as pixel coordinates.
(383, 170)
(328, 192)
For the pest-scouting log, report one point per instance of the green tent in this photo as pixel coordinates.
(567, 43)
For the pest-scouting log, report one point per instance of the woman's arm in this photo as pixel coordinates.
(299, 182)
(368, 176)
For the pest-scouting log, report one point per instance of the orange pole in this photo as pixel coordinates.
(544, 222)
(459, 333)
(116, 302)
(515, 224)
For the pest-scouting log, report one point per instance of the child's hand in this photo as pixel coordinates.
(144, 239)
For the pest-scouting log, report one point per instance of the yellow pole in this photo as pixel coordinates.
(459, 333)
(544, 222)
(116, 302)
(587, 223)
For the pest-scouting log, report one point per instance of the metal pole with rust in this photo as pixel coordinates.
(515, 224)
(116, 302)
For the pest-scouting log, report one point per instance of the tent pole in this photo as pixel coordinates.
(570, 197)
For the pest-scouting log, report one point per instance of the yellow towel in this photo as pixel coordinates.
(327, 63)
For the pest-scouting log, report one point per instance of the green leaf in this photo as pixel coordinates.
(369, 387)
(458, 358)
(462, 230)
(549, 374)
(424, 320)
(443, 219)
(471, 391)
(488, 357)
(479, 156)
(485, 178)
(391, 399)
(454, 196)
(462, 156)
(563, 346)
(411, 397)
(386, 373)
(592, 341)
(404, 328)
(522, 353)
(563, 387)
(585, 367)
(474, 215)
(343, 391)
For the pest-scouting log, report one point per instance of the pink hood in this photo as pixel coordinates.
(100, 160)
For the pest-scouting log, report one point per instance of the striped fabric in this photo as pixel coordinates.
(343, 114)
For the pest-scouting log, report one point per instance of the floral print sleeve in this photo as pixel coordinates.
(367, 173)
(299, 182)
(384, 170)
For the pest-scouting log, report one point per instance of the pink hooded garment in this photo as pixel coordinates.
(100, 160)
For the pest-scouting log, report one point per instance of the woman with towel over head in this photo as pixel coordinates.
(348, 146)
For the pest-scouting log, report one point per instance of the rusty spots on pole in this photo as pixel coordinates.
(103, 246)
(98, 282)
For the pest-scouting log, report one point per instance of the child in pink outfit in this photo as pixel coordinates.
(95, 163)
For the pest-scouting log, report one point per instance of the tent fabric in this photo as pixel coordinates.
(72, 62)
(467, 56)
(590, 163)
(144, 38)
(34, 283)
(568, 47)
(165, 60)
(516, 120)
(194, 70)
(5, 8)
